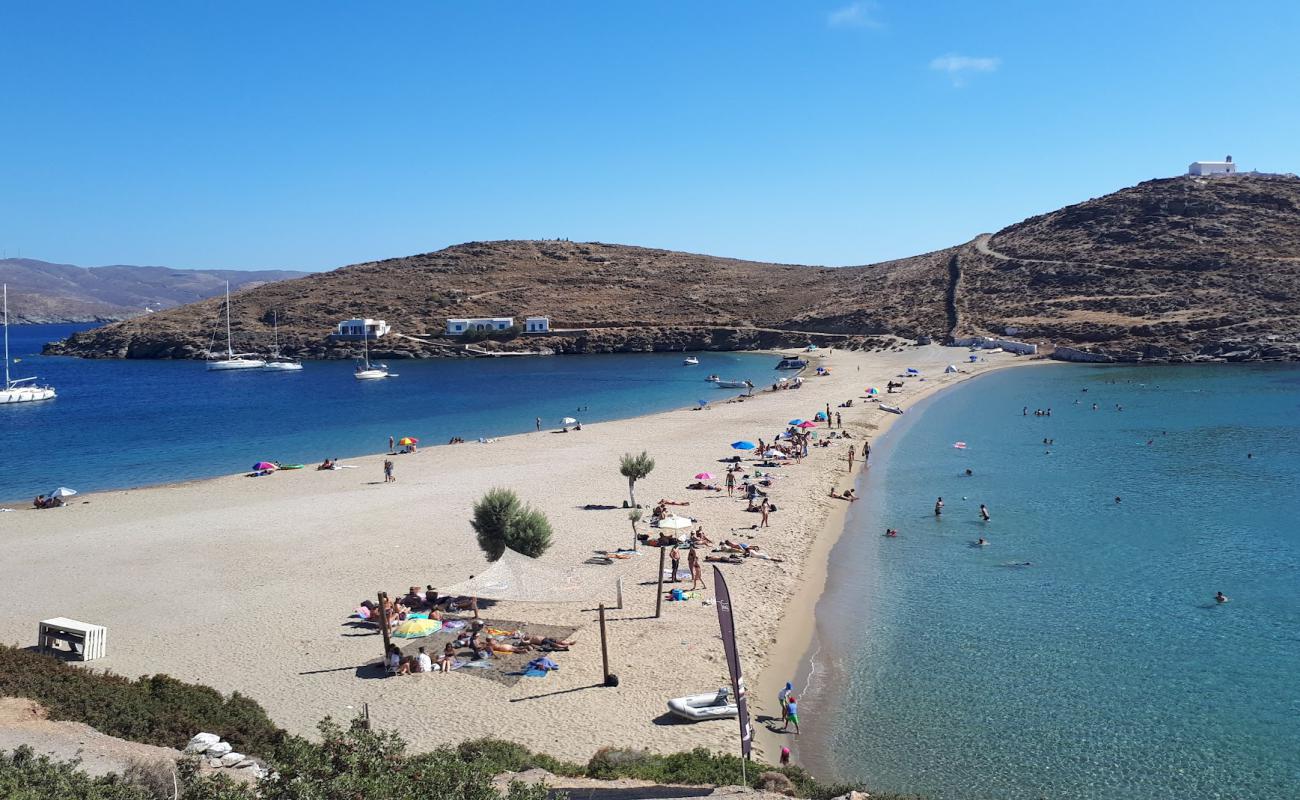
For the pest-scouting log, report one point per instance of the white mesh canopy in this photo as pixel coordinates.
(519, 578)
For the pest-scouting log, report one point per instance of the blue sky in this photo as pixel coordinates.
(316, 134)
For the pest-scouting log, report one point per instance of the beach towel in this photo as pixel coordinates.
(543, 663)
(535, 673)
(453, 624)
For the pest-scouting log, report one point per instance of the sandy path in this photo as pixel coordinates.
(244, 584)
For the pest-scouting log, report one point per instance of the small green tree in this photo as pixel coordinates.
(500, 520)
(634, 468)
(635, 516)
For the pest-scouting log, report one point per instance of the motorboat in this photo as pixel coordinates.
(277, 362)
(891, 409)
(713, 379)
(20, 390)
(792, 363)
(690, 361)
(233, 360)
(367, 371)
(700, 707)
(732, 384)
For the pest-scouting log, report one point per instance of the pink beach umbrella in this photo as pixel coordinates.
(807, 424)
(704, 476)
(263, 466)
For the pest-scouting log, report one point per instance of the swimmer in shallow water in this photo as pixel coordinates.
(984, 513)
(1220, 597)
(982, 542)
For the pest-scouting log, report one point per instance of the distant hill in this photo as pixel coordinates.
(43, 292)
(1172, 269)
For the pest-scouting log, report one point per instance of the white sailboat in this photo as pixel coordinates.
(277, 362)
(234, 360)
(366, 371)
(21, 390)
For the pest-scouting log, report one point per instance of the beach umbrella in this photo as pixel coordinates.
(63, 491)
(807, 424)
(675, 522)
(913, 371)
(742, 445)
(795, 422)
(820, 415)
(408, 440)
(704, 476)
(415, 628)
(704, 402)
(873, 390)
(568, 421)
(262, 466)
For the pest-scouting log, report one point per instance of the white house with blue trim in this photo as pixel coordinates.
(463, 325)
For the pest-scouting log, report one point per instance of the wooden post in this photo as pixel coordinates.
(659, 595)
(383, 625)
(604, 649)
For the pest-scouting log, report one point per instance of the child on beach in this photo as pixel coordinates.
(791, 713)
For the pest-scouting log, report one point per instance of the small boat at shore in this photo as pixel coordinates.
(690, 361)
(733, 384)
(891, 409)
(713, 379)
(699, 707)
(792, 363)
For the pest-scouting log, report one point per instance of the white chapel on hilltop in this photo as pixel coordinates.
(1224, 167)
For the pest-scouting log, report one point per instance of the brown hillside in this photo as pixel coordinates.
(1180, 268)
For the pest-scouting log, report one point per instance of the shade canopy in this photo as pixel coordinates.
(675, 523)
(516, 577)
(63, 491)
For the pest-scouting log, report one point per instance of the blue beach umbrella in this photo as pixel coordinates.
(794, 422)
(704, 403)
(743, 445)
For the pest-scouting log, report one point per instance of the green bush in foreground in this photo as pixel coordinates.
(155, 710)
(27, 776)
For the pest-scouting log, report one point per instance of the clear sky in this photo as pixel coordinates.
(316, 134)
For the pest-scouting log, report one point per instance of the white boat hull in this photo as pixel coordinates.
(700, 707)
(690, 362)
(235, 363)
(28, 395)
(282, 366)
(732, 384)
(370, 374)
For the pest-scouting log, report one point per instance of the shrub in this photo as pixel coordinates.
(155, 710)
(500, 520)
(27, 776)
(495, 756)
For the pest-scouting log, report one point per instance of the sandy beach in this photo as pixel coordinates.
(246, 584)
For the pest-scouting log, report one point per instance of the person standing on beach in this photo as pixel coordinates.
(697, 572)
(538, 422)
(390, 444)
(676, 557)
(850, 459)
(866, 452)
(731, 481)
(783, 698)
(938, 507)
(791, 713)
(388, 471)
(763, 511)
(839, 421)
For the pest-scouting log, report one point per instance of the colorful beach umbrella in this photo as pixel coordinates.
(704, 476)
(743, 445)
(795, 422)
(415, 628)
(262, 466)
(806, 424)
(408, 440)
(873, 390)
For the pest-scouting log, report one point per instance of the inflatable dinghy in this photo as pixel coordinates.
(697, 707)
(891, 409)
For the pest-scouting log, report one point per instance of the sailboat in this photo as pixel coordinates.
(20, 390)
(366, 371)
(234, 360)
(277, 362)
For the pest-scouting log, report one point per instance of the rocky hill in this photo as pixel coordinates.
(1172, 269)
(43, 292)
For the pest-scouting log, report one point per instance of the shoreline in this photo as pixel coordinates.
(266, 571)
(797, 641)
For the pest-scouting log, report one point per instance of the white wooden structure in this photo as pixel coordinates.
(537, 324)
(1224, 167)
(360, 329)
(459, 326)
(92, 639)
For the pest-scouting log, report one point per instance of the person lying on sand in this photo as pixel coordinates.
(727, 559)
(848, 495)
(665, 502)
(712, 487)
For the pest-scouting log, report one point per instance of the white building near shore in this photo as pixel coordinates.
(463, 325)
(361, 329)
(537, 324)
(1207, 168)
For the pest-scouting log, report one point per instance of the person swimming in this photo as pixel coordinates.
(891, 533)
(982, 542)
(984, 513)
(1220, 597)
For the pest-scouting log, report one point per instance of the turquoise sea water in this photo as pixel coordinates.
(130, 423)
(1104, 669)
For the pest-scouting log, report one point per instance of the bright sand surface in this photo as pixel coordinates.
(246, 584)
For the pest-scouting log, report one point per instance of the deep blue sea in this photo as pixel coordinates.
(131, 423)
(1104, 668)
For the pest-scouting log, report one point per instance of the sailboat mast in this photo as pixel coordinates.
(6, 304)
(230, 347)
